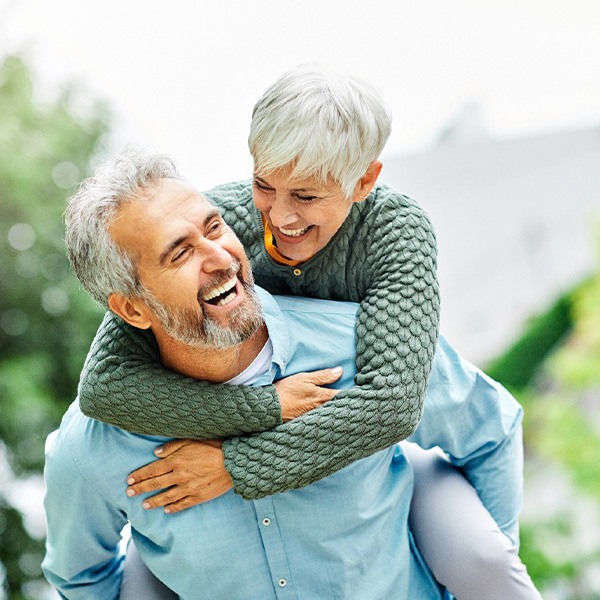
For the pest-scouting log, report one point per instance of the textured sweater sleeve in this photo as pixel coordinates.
(396, 328)
(123, 383)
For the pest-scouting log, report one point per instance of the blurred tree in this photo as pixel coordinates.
(554, 369)
(46, 321)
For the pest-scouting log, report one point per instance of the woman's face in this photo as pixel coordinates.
(303, 214)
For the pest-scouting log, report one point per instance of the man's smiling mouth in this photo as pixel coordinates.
(222, 294)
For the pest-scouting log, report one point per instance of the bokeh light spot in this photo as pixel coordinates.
(65, 175)
(14, 321)
(21, 236)
(55, 301)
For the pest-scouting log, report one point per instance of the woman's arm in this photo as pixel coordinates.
(396, 333)
(123, 383)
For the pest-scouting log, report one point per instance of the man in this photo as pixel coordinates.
(184, 276)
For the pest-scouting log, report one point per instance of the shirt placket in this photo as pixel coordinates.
(274, 548)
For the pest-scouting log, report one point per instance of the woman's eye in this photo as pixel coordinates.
(306, 198)
(261, 187)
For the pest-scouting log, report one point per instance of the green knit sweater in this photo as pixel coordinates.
(383, 256)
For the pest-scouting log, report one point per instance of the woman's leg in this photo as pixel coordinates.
(459, 539)
(139, 583)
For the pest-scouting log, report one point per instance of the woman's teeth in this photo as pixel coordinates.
(293, 232)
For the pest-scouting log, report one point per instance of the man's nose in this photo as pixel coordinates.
(282, 212)
(216, 258)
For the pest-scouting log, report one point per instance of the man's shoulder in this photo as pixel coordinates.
(87, 442)
(316, 306)
(278, 307)
(309, 334)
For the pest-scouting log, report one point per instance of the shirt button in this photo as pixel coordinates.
(297, 272)
(266, 521)
(282, 583)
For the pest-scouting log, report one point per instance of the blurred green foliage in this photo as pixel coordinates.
(554, 370)
(517, 367)
(46, 321)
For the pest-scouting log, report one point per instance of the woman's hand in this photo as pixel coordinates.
(302, 392)
(193, 471)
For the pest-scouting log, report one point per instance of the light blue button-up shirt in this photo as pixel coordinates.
(344, 537)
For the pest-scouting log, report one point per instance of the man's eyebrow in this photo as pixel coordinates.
(174, 244)
(182, 238)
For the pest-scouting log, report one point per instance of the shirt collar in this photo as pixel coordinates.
(279, 335)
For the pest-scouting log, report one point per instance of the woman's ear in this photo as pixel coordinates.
(132, 310)
(367, 181)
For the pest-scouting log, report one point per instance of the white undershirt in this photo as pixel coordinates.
(256, 368)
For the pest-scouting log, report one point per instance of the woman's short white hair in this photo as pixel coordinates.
(324, 124)
(100, 265)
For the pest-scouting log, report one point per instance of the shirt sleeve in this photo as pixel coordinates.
(124, 384)
(477, 423)
(396, 334)
(83, 558)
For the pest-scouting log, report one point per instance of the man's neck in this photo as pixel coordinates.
(208, 364)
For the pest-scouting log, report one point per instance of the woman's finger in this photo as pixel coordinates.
(151, 485)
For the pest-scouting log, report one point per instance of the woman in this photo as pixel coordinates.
(314, 222)
(381, 253)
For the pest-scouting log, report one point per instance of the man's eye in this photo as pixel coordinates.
(214, 226)
(180, 254)
(306, 198)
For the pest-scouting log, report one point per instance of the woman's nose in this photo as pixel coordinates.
(282, 213)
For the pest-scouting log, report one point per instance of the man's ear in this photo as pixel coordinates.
(132, 310)
(367, 181)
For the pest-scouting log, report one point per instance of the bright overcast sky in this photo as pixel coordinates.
(183, 76)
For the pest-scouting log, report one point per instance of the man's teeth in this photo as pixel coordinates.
(293, 232)
(228, 286)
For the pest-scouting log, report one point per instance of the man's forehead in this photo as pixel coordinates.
(172, 195)
(167, 205)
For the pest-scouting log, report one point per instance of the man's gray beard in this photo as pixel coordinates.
(195, 328)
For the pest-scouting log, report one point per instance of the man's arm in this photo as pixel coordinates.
(82, 559)
(477, 423)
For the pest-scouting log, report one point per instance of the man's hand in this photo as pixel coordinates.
(193, 471)
(302, 392)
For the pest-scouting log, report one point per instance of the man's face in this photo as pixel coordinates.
(199, 282)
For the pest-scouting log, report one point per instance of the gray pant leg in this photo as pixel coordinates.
(139, 583)
(457, 536)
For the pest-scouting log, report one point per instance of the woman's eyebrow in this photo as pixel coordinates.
(298, 189)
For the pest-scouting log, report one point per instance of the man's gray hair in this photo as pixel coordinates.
(322, 123)
(100, 265)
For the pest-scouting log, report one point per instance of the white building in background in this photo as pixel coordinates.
(518, 222)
